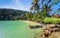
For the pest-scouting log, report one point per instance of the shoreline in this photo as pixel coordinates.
(35, 23)
(31, 22)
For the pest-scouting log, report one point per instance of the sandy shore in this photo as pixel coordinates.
(35, 23)
(31, 22)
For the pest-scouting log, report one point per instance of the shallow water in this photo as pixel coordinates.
(14, 29)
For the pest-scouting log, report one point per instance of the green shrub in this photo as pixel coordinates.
(52, 20)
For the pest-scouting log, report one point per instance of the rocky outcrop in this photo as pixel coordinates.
(49, 30)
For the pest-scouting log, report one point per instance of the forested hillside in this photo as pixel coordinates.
(11, 14)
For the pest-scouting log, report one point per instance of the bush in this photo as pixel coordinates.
(52, 20)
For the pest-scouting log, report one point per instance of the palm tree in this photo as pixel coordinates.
(43, 7)
(35, 6)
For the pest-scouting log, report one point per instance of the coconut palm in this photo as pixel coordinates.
(35, 6)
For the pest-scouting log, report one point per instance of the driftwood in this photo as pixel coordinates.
(36, 26)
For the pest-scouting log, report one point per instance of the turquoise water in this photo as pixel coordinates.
(14, 29)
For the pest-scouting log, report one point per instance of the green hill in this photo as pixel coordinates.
(11, 14)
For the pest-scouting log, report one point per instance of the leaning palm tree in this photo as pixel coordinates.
(35, 6)
(43, 6)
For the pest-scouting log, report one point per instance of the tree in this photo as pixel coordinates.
(35, 6)
(45, 10)
(42, 8)
(29, 16)
(58, 10)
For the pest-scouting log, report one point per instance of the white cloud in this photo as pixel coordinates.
(12, 7)
(16, 5)
(6, 6)
(21, 6)
(17, 1)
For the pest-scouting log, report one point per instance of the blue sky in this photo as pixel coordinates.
(55, 7)
(20, 4)
(16, 4)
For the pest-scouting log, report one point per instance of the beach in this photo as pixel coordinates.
(31, 22)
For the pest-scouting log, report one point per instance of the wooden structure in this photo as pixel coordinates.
(56, 15)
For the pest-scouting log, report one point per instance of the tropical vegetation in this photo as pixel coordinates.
(39, 12)
(41, 9)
